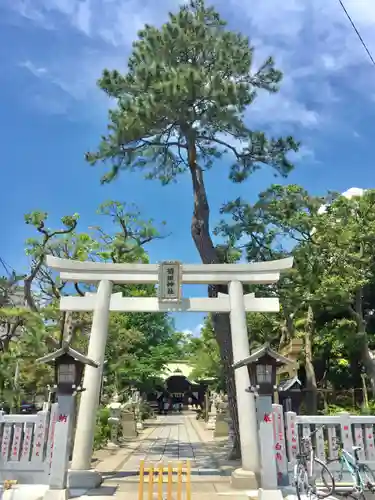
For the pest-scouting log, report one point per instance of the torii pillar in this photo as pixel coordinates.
(92, 381)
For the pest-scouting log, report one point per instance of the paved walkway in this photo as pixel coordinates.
(169, 438)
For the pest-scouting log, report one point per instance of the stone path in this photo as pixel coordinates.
(171, 438)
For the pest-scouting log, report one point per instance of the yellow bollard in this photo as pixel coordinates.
(179, 481)
(188, 480)
(170, 481)
(160, 481)
(151, 482)
(141, 479)
(183, 479)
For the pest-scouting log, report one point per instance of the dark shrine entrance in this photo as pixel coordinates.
(178, 388)
(181, 390)
(178, 392)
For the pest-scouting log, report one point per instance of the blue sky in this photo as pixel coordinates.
(53, 51)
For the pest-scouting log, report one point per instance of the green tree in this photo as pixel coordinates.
(20, 377)
(22, 341)
(181, 107)
(346, 234)
(138, 344)
(12, 313)
(204, 355)
(285, 216)
(137, 349)
(328, 296)
(43, 289)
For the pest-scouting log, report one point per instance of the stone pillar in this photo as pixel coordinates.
(86, 422)
(138, 410)
(211, 422)
(57, 489)
(129, 430)
(115, 408)
(222, 419)
(138, 418)
(245, 477)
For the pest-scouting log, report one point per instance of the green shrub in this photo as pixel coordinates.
(334, 409)
(369, 410)
(102, 429)
(146, 410)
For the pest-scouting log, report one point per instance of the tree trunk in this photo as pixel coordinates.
(287, 328)
(364, 392)
(368, 363)
(311, 399)
(222, 331)
(200, 231)
(362, 339)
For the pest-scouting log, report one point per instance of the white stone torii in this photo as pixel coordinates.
(101, 303)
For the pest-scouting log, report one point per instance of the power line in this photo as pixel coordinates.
(358, 33)
(6, 267)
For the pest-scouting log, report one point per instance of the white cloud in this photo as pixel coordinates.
(312, 42)
(83, 17)
(35, 70)
(115, 21)
(315, 46)
(108, 28)
(304, 153)
(68, 81)
(195, 332)
(284, 109)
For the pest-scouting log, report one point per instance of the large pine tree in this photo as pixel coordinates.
(180, 107)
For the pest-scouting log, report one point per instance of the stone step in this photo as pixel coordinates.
(204, 488)
(202, 478)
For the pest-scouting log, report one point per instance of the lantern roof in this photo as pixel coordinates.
(263, 352)
(64, 350)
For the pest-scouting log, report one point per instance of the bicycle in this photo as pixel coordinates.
(362, 476)
(304, 475)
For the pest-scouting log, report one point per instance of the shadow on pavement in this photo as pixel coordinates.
(103, 491)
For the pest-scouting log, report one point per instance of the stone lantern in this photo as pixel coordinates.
(69, 365)
(211, 422)
(115, 408)
(137, 405)
(262, 365)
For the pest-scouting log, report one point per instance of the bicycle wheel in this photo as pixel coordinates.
(368, 477)
(327, 480)
(301, 480)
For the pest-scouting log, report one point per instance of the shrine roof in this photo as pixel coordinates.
(182, 368)
(288, 383)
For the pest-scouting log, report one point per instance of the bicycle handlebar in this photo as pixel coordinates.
(313, 432)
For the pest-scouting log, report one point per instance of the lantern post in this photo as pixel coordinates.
(69, 366)
(262, 366)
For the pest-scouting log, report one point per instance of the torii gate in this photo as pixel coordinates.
(170, 276)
